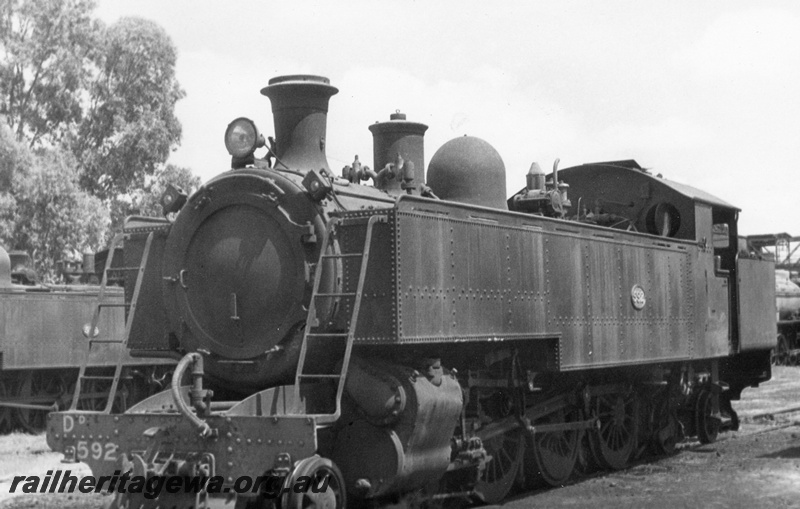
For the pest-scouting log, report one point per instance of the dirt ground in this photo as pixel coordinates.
(755, 467)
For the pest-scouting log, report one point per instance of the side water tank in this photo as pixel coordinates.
(469, 170)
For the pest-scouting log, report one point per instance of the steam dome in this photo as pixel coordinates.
(469, 170)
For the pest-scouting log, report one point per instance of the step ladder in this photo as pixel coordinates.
(91, 374)
(320, 338)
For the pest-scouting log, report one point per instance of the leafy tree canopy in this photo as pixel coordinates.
(46, 53)
(107, 94)
(130, 127)
(87, 123)
(44, 211)
(15, 159)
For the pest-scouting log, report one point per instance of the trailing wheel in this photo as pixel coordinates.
(497, 478)
(706, 424)
(614, 442)
(325, 491)
(554, 454)
(666, 428)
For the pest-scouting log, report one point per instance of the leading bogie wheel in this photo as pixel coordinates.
(326, 489)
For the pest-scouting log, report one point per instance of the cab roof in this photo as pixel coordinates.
(683, 189)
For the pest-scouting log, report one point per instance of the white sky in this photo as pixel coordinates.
(706, 93)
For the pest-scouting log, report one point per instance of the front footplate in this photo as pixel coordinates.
(238, 446)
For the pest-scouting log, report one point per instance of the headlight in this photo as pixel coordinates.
(242, 137)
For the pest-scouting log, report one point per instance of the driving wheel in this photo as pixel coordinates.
(499, 474)
(614, 441)
(554, 454)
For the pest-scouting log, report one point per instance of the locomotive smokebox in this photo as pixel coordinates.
(469, 170)
(300, 109)
(399, 136)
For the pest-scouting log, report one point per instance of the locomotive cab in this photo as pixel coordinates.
(734, 283)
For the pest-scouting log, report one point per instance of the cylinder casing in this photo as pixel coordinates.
(403, 453)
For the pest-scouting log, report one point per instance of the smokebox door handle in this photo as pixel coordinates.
(234, 308)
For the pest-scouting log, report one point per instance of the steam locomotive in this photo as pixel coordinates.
(42, 348)
(787, 351)
(782, 247)
(420, 339)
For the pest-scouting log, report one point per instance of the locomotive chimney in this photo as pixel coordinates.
(300, 108)
(401, 137)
